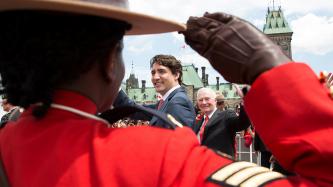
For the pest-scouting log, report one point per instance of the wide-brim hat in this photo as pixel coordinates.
(115, 9)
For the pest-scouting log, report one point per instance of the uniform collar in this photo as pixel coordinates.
(75, 100)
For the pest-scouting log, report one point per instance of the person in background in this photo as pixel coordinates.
(327, 78)
(217, 129)
(248, 135)
(237, 109)
(12, 112)
(166, 76)
(220, 102)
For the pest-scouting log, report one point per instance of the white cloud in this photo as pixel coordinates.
(193, 58)
(313, 34)
(181, 10)
(312, 30)
(178, 37)
(138, 44)
(259, 23)
(306, 6)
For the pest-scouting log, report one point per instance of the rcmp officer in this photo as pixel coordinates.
(66, 67)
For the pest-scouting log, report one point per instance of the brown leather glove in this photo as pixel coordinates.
(233, 46)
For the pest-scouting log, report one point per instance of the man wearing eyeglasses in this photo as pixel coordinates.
(216, 129)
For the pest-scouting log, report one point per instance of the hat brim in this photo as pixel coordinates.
(141, 23)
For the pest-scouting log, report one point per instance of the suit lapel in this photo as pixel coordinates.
(213, 119)
(211, 123)
(166, 102)
(198, 126)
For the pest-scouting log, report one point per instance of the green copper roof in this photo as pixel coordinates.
(191, 77)
(226, 89)
(276, 23)
(148, 96)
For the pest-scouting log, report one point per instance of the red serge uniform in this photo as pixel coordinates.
(66, 149)
(293, 113)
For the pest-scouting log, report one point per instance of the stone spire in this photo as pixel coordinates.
(277, 28)
(132, 69)
(132, 81)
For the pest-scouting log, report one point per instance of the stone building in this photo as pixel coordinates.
(192, 82)
(276, 27)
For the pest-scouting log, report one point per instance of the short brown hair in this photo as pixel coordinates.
(220, 100)
(171, 62)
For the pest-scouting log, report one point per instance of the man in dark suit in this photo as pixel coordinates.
(217, 129)
(166, 76)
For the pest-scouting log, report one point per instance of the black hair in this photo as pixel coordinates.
(41, 50)
(171, 62)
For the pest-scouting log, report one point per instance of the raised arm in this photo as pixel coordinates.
(289, 107)
(294, 115)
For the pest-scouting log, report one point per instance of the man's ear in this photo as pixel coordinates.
(177, 75)
(108, 66)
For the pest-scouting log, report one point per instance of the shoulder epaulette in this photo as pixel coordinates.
(244, 174)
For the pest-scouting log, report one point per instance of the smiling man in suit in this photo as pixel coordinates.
(166, 76)
(217, 129)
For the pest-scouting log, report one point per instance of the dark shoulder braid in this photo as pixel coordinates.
(41, 50)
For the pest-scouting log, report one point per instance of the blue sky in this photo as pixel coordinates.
(311, 22)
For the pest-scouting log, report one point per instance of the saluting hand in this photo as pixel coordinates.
(234, 47)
